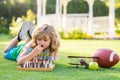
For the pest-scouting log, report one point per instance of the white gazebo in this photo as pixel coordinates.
(41, 11)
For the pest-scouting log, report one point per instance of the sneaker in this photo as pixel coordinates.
(26, 26)
(30, 31)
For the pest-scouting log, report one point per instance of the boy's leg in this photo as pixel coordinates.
(12, 43)
(27, 27)
(31, 28)
(27, 40)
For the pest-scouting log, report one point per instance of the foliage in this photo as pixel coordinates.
(30, 15)
(16, 8)
(3, 26)
(117, 0)
(81, 6)
(74, 34)
(117, 4)
(50, 6)
(77, 6)
(16, 24)
(3, 19)
(117, 32)
(117, 26)
(100, 8)
(117, 11)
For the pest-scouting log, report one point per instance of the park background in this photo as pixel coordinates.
(14, 12)
(75, 42)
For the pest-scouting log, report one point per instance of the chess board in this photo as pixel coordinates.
(36, 68)
(36, 64)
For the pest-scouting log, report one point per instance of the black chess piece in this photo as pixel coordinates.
(32, 64)
(21, 65)
(42, 65)
(36, 64)
(47, 65)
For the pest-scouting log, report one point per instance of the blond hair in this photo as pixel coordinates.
(42, 32)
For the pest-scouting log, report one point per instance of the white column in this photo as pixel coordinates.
(90, 19)
(44, 7)
(39, 11)
(111, 19)
(58, 6)
(64, 18)
(58, 13)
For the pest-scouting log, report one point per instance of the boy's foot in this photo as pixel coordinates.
(27, 27)
(30, 31)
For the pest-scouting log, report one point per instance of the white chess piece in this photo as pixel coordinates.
(50, 64)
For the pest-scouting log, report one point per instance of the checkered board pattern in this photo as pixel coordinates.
(36, 64)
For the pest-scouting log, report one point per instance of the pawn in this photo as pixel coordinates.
(51, 64)
(32, 64)
(41, 65)
(21, 65)
(36, 64)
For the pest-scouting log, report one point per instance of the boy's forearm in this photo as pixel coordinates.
(29, 56)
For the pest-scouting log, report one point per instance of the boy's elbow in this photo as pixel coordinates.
(19, 62)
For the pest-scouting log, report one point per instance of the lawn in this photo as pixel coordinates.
(63, 71)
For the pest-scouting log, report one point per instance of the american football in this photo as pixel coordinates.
(106, 58)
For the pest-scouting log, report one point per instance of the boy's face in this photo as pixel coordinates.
(44, 42)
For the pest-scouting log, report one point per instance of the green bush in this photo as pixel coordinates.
(117, 26)
(74, 34)
(117, 12)
(117, 31)
(50, 6)
(100, 8)
(77, 6)
(77, 34)
(3, 26)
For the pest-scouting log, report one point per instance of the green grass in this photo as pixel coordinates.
(64, 71)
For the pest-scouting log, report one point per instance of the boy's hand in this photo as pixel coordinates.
(39, 48)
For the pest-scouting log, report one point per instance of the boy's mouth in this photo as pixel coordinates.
(41, 45)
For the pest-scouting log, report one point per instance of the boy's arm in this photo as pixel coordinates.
(26, 57)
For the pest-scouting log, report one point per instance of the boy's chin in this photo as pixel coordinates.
(44, 48)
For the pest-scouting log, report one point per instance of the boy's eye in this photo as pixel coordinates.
(45, 40)
(39, 39)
